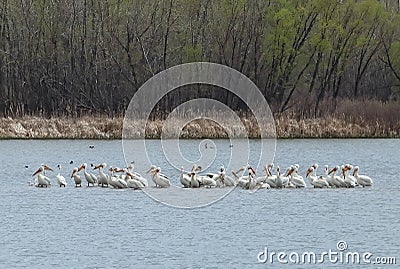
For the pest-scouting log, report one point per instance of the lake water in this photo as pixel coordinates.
(106, 228)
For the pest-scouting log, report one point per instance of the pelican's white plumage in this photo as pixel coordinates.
(362, 180)
(61, 181)
(76, 177)
(159, 179)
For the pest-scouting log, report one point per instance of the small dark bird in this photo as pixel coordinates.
(91, 147)
(71, 162)
(26, 166)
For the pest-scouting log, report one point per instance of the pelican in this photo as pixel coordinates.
(295, 178)
(349, 180)
(88, 177)
(42, 180)
(243, 180)
(251, 184)
(279, 178)
(226, 179)
(76, 177)
(184, 178)
(159, 179)
(334, 179)
(132, 182)
(317, 182)
(271, 179)
(116, 181)
(209, 181)
(221, 179)
(60, 179)
(194, 183)
(103, 179)
(137, 176)
(362, 180)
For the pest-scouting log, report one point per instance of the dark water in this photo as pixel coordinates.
(107, 228)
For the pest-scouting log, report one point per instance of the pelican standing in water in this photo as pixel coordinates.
(295, 178)
(184, 178)
(132, 181)
(159, 179)
(88, 177)
(41, 180)
(102, 179)
(76, 177)
(317, 182)
(62, 182)
(226, 179)
(137, 176)
(362, 180)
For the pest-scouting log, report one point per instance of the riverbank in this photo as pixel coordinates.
(111, 128)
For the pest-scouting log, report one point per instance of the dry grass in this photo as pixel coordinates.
(350, 119)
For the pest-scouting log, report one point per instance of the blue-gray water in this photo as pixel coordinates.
(106, 228)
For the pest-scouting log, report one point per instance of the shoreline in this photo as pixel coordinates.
(104, 128)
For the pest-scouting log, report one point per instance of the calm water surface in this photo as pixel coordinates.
(106, 228)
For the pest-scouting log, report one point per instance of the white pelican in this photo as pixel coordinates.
(137, 176)
(243, 180)
(194, 183)
(132, 182)
(295, 178)
(317, 182)
(159, 179)
(115, 181)
(279, 178)
(271, 179)
(252, 185)
(88, 177)
(76, 177)
(349, 180)
(334, 179)
(152, 168)
(221, 179)
(362, 180)
(103, 178)
(62, 182)
(226, 179)
(184, 178)
(42, 180)
(209, 181)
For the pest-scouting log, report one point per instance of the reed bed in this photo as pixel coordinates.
(350, 120)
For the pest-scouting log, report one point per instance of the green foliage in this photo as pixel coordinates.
(394, 54)
(193, 53)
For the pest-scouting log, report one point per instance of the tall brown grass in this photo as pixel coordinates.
(349, 119)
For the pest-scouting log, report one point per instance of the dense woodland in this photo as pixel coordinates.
(73, 58)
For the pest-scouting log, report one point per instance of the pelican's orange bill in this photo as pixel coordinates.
(80, 168)
(37, 172)
(47, 168)
(98, 166)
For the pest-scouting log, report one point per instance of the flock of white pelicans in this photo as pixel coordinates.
(245, 177)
